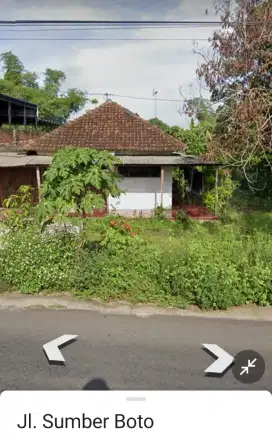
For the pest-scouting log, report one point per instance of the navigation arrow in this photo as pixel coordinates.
(52, 351)
(224, 360)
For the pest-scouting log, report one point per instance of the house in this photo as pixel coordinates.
(147, 154)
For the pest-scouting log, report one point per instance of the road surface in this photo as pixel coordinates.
(126, 352)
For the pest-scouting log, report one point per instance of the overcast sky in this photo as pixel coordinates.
(131, 68)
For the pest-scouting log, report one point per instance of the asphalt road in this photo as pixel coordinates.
(128, 353)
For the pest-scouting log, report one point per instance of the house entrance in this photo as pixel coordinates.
(194, 188)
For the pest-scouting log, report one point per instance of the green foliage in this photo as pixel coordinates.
(255, 188)
(200, 132)
(33, 262)
(53, 104)
(219, 198)
(220, 270)
(79, 180)
(13, 68)
(247, 200)
(118, 235)
(18, 209)
(130, 274)
(183, 218)
(199, 108)
(160, 213)
(182, 183)
(213, 266)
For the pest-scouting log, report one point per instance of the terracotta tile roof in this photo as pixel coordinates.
(108, 127)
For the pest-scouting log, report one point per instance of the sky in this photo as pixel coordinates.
(121, 67)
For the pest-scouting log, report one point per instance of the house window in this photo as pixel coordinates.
(140, 172)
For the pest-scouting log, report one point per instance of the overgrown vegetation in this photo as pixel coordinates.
(200, 131)
(78, 181)
(234, 126)
(155, 260)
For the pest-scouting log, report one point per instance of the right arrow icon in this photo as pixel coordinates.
(224, 359)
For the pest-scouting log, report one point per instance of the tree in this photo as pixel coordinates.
(239, 77)
(53, 79)
(200, 131)
(79, 180)
(94, 101)
(13, 68)
(30, 79)
(159, 123)
(199, 108)
(54, 105)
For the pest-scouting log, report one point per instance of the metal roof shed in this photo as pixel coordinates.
(14, 111)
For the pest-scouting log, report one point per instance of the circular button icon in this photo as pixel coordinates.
(249, 366)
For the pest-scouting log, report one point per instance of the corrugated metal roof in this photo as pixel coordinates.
(9, 159)
(15, 160)
(162, 160)
(18, 101)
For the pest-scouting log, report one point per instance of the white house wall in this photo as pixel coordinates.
(142, 195)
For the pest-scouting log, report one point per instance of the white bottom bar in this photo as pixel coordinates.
(115, 415)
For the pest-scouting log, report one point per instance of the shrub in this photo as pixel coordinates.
(118, 234)
(183, 218)
(221, 196)
(33, 262)
(132, 274)
(18, 207)
(209, 267)
(160, 213)
(220, 271)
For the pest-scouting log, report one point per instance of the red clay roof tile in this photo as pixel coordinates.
(108, 127)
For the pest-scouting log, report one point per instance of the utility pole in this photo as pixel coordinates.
(107, 97)
(155, 93)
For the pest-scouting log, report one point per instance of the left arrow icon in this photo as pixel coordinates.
(52, 348)
(223, 362)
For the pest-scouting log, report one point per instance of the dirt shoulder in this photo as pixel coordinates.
(16, 300)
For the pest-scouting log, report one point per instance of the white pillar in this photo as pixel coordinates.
(162, 184)
(38, 175)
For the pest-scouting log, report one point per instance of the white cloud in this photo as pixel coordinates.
(132, 68)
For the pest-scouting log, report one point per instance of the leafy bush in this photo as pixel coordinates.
(219, 198)
(18, 207)
(78, 181)
(220, 271)
(183, 218)
(131, 274)
(33, 262)
(213, 266)
(160, 213)
(117, 235)
(182, 183)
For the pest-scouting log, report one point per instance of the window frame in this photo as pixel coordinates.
(140, 171)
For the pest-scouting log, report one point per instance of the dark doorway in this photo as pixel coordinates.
(195, 180)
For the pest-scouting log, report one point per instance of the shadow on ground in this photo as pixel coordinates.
(96, 384)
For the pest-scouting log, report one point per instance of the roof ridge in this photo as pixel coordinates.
(109, 126)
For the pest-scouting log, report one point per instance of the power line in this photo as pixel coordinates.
(94, 28)
(108, 22)
(144, 98)
(128, 96)
(30, 23)
(131, 97)
(101, 39)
